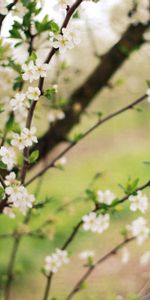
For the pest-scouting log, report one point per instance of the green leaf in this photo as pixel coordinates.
(33, 156)
(2, 192)
(16, 67)
(33, 56)
(124, 50)
(83, 285)
(77, 137)
(1, 108)
(131, 186)
(54, 27)
(91, 195)
(76, 15)
(124, 232)
(49, 93)
(3, 166)
(9, 123)
(89, 261)
(148, 83)
(18, 84)
(45, 25)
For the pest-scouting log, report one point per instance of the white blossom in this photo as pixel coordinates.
(55, 114)
(3, 7)
(62, 256)
(18, 101)
(20, 10)
(8, 211)
(139, 229)
(102, 223)
(106, 197)
(21, 116)
(85, 255)
(25, 139)
(18, 141)
(29, 72)
(8, 157)
(34, 71)
(148, 95)
(67, 40)
(145, 258)
(28, 136)
(138, 201)
(18, 197)
(141, 14)
(33, 93)
(61, 162)
(125, 255)
(89, 222)
(11, 179)
(55, 261)
(95, 223)
(41, 68)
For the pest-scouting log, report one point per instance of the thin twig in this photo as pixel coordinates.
(74, 143)
(94, 266)
(79, 224)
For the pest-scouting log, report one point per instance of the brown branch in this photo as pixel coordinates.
(84, 95)
(69, 14)
(74, 143)
(113, 251)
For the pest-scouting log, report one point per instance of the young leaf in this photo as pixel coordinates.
(33, 156)
(3, 166)
(2, 192)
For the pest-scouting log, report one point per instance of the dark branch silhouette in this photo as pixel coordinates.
(109, 64)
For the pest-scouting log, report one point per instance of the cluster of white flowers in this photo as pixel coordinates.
(148, 95)
(95, 223)
(33, 71)
(139, 201)
(25, 139)
(33, 93)
(106, 197)
(125, 255)
(142, 14)
(145, 258)
(8, 157)
(55, 261)
(67, 40)
(88, 254)
(19, 10)
(18, 196)
(5, 53)
(139, 229)
(8, 211)
(55, 114)
(21, 116)
(3, 7)
(20, 103)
